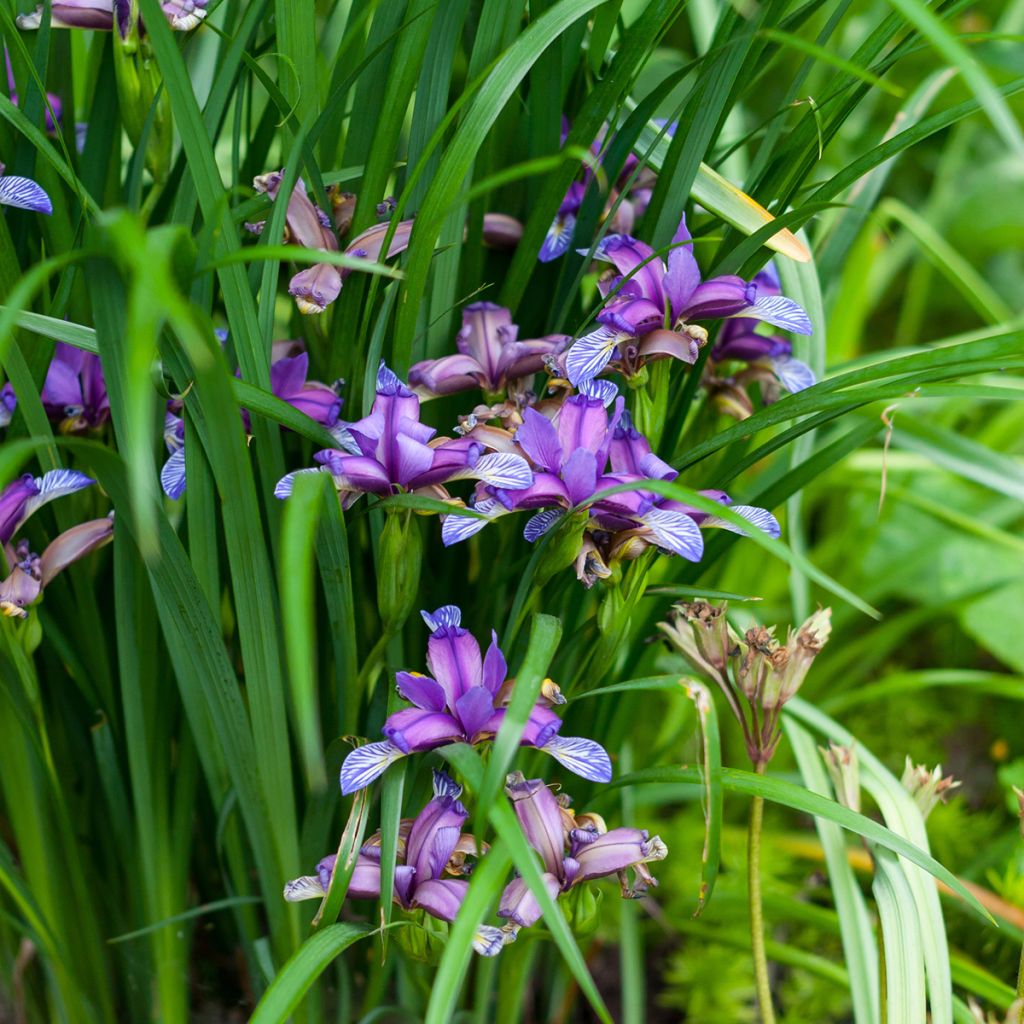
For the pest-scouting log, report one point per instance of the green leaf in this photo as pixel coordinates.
(306, 965)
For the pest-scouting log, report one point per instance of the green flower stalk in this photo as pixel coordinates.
(764, 674)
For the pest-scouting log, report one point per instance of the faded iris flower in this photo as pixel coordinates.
(756, 668)
(182, 15)
(652, 311)
(22, 497)
(391, 451)
(490, 356)
(571, 457)
(573, 848)
(431, 855)
(31, 573)
(463, 701)
(288, 381)
(317, 286)
(74, 393)
(23, 193)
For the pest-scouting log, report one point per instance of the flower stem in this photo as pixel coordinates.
(764, 992)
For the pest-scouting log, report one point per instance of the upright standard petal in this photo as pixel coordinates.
(420, 690)
(486, 329)
(683, 274)
(540, 817)
(453, 657)
(539, 440)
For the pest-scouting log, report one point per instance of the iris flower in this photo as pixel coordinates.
(651, 313)
(288, 381)
(23, 193)
(431, 850)
(490, 356)
(574, 849)
(391, 451)
(630, 206)
(769, 358)
(463, 701)
(31, 573)
(74, 393)
(22, 497)
(317, 286)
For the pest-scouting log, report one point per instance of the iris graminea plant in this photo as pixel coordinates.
(531, 318)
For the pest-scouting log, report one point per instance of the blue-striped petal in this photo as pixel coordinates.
(24, 194)
(308, 887)
(780, 312)
(760, 518)
(367, 763)
(539, 524)
(591, 354)
(558, 238)
(55, 484)
(446, 615)
(603, 390)
(456, 528)
(172, 476)
(499, 469)
(793, 375)
(676, 532)
(287, 482)
(583, 757)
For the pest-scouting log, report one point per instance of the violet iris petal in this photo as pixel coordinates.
(610, 852)
(541, 819)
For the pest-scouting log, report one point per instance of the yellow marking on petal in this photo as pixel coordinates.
(783, 241)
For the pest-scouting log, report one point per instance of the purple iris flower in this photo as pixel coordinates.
(739, 340)
(99, 14)
(288, 381)
(31, 573)
(8, 403)
(391, 451)
(630, 206)
(22, 497)
(74, 393)
(574, 849)
(631, 454)
(463, 701)
(571, 457)
(490, 355)
(654, 303)
(23, 193)
(428, 851)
